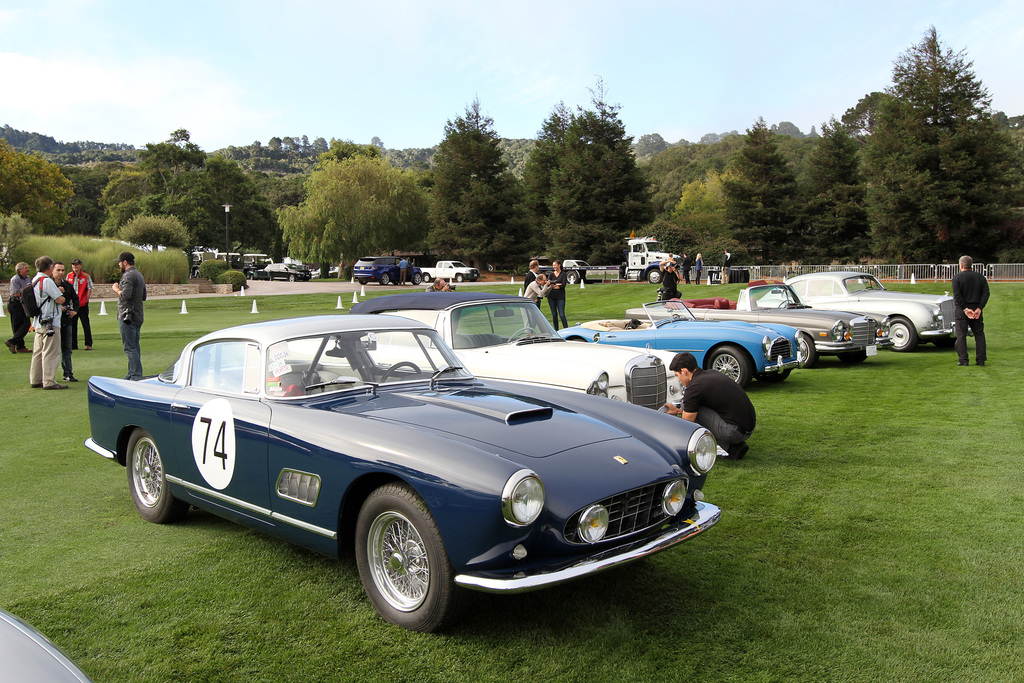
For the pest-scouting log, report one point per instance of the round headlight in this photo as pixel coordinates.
(766, 344)
(599, 387)
(673, 498)
(593, 523)
(703, 450)
(839, 331)
(522, 498)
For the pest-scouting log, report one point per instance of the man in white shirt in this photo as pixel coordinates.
(46, 349)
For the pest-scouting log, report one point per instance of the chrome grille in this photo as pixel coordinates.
(780, 348)
(646, 383)
(946, 311)
(628, 513)
(864, 332)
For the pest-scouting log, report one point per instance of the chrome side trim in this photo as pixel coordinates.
(217, 495)
(276, 516)
(96, 448)
(707, 515)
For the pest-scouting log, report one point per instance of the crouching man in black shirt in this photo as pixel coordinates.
(715, 402)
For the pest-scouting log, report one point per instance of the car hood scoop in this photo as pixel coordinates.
(502, 421)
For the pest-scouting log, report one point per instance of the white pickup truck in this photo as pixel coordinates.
(450, 270)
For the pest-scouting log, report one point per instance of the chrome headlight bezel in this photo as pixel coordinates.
(599, 387)
(840, 331)
(522, 498)
(673, 497)
(593, 524)
(702, 450)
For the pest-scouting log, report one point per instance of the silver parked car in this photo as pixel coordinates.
(913, 318)
(850, 336)
(28, 655)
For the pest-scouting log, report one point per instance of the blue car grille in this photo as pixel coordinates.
(628, 512)
(780, 348)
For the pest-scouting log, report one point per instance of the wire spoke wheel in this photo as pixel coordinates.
(398, 558)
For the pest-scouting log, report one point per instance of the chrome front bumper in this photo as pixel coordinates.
(780, 366)
(96, 448)
(707, 515)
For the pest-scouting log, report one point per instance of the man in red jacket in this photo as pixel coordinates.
(82, 282)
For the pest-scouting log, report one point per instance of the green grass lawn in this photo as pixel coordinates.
(872, 533)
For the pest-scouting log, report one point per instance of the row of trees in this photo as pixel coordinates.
(920, 172)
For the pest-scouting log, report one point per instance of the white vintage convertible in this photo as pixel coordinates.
(504, 337)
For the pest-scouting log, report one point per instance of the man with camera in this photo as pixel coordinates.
(70, 311)
(131, 292)
(46, 348)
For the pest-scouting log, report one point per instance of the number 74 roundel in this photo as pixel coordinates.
(213, 443)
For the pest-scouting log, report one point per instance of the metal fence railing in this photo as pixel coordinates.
(927, 272)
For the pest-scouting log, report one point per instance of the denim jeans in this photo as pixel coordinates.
(130, 342)
(557, 307)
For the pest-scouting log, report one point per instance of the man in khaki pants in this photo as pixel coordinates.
(46, 349)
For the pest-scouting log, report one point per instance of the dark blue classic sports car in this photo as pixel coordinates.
(335, 430)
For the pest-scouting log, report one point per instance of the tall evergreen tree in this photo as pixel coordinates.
(835, 214)
(598, 194)
(942, 173)
(759, 191)
(477, 213)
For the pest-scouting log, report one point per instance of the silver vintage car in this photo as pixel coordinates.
(850, 336)
(913, 318)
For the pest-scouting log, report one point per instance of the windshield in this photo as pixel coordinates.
(668, 310)
(862, 282)
(491, 324)
(341, 360)
(774, 296)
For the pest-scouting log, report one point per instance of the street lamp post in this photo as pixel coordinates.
(227, 242)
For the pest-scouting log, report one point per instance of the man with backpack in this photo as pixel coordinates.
(19, 321)
(47, 320)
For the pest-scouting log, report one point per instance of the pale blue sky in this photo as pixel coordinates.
(235, 71)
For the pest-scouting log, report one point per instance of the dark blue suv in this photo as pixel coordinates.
(383, 270)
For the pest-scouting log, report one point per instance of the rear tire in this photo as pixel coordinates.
(402, 562)
(385, 279)
(731, 362)
(147, 481)
(807, 350)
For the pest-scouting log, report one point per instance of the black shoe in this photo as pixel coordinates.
(980, 362)
(70, 378)
(962, 364)
(737, 450)
(36, 386)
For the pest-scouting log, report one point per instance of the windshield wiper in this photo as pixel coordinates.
(339, 380)
(437, 375)
(531, 338)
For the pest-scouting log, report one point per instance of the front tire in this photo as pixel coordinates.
(806, 348)
(903, 334)
(458, 277)
(417, 278)
(402, 562)
(731, 362)
(654, 277)
(147, 481)
(291, 278)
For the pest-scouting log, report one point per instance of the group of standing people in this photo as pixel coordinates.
(540, 286)
(63, 301)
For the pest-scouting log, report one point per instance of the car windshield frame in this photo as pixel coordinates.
(869, 283)
(791, 297)
(479, 325)
(661, 312)
(357, 361)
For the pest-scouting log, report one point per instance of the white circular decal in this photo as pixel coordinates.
(213, 443)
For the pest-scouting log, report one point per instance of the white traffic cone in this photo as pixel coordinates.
(520, 291)
(184, 311)
(339, 306)
(2, 312)
(254, 309)
(241, 292)
(512, 280)
(582, 285)
(362, 290)
(103, 308)
(355, 298)
(913, 280)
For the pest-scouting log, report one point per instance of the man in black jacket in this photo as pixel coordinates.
(970, 294)
(686, 265)
(70, 307)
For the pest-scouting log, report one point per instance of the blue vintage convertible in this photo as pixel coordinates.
(740, 350)
(335, 431)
